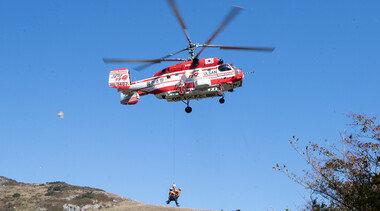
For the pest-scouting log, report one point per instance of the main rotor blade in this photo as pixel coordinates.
(225, 47)
(141, 67)
(139, 60)
(179, 18)
(164, 57)
(233, 12)
(169, 55)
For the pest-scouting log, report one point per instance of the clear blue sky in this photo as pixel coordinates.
(326, 64)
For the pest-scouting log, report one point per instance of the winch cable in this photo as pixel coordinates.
(174, 142)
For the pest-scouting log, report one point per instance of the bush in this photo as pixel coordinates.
(57, 187)
(49, 193)
(16, 195)
(56, 183)
(54, 188)
(86, 195)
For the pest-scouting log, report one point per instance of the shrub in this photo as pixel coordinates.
(49, 193)
(86, 195)
(57, 187)
(16, 195)
(56, 183)
(54, 188)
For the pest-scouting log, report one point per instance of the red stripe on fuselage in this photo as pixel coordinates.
(187, 85)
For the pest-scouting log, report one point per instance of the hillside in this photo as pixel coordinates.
(62, 196)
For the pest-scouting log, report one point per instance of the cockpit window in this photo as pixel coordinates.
(224, 67)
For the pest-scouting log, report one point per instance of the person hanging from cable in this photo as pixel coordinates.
(172, 196)
(177, 193)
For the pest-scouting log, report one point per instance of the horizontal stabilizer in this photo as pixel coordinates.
(129, 98)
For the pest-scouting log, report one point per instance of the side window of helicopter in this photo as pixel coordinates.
(168, 76)
(224, 67)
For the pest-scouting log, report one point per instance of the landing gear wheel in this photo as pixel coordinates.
(188, 109)
(221, 100)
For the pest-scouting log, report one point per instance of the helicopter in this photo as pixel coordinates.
(192, 79)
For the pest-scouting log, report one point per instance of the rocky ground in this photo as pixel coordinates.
(62, 196)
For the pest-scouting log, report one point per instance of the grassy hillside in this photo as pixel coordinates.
(62, 196)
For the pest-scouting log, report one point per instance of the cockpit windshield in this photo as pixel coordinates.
(224, 67)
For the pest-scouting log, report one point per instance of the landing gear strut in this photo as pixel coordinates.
(188, 109)
(221, 100)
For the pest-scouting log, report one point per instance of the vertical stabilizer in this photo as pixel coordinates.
(119, 79)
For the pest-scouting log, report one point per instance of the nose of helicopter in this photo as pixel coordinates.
(239, 74)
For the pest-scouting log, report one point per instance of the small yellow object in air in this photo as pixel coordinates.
(60, 114)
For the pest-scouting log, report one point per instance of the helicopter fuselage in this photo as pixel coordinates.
(180, 82)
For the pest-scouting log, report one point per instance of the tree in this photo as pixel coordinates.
(345, 175)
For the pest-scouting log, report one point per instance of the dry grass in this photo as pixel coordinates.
(52, 196)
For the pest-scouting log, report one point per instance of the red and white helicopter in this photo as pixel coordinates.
(192, 79)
